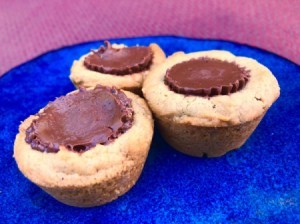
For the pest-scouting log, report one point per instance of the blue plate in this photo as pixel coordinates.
(259, 183)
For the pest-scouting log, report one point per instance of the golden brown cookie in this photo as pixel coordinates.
(198, 120)
(94, 169)
(86, 73)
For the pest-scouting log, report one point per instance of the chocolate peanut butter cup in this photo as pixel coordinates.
(80, 121)
(206, 77)
(119, 61)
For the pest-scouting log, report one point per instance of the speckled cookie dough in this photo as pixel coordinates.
(180, 116)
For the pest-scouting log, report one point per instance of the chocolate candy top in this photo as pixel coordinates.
(81, 120)
(121, 61)
(206, 77)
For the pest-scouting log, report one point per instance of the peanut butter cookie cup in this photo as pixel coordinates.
(86, 148)
(117, 65)
(208, 103)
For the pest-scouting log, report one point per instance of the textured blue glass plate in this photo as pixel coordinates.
(259, 183)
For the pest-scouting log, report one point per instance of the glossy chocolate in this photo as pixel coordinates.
(121, 61)
(206, 77)
(81, 120)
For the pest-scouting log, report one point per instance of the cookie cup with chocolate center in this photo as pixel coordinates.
(209, 121)
(85, 72)
(92, 173)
